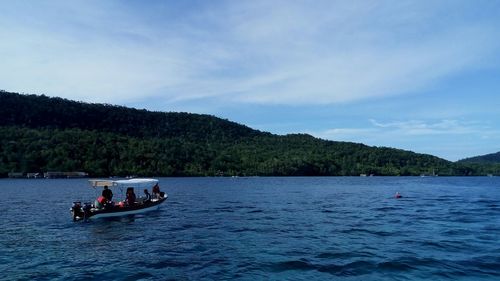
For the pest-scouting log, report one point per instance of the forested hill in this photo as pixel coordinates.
(493, 158)
(40, 134)
(31, 111)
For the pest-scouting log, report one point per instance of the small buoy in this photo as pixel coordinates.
(397, 195)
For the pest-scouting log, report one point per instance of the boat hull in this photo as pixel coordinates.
(117, 211)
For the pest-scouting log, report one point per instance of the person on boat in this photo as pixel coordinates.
(130, 197)
(156, 191)
(147, 196)
(107, 193)
(100, 202)
(397, 195)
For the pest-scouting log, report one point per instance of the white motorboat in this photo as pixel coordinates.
(108, 209)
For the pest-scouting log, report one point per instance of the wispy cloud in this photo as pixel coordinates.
(290, 52)
(347, 134)
(444, 138)
(409, 128)
(418, 127)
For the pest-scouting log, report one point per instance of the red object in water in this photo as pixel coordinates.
(397, 195)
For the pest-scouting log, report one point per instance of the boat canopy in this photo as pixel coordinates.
(139, 183)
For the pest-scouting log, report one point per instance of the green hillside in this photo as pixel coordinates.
(40, 134)
(493, 158)
(488, 164)
(33, 111)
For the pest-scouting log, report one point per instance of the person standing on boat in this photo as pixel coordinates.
(107, 193)
(156, 191)
(130, 196)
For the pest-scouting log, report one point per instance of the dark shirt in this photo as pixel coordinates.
(130, 198)
(108, 194)
(156, 189)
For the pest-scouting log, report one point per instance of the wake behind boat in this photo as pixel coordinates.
(104, 207)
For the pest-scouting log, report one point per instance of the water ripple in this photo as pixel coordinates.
(260, 229)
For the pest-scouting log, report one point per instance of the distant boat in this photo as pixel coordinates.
(423, 175)
(94, 211)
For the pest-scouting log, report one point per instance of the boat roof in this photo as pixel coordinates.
(124, 183)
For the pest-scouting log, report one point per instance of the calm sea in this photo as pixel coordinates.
(259, 229)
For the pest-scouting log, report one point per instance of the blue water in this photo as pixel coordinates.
(259, 229)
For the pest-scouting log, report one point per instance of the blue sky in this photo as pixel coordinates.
(416, 75)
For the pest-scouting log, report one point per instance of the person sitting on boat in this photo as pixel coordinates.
(147, 196)
(130, 197)
(156, 191)
(100, 202)
(107, 193)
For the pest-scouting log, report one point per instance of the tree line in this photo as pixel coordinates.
(40, 134)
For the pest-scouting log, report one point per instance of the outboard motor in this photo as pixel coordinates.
(86, 210)
(77, 211)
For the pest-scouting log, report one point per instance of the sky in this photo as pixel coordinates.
(415, 75)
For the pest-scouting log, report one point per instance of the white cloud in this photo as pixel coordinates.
(410, 128)
(257, 51)
(448, 139)
(418, 127)
(347, 134)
